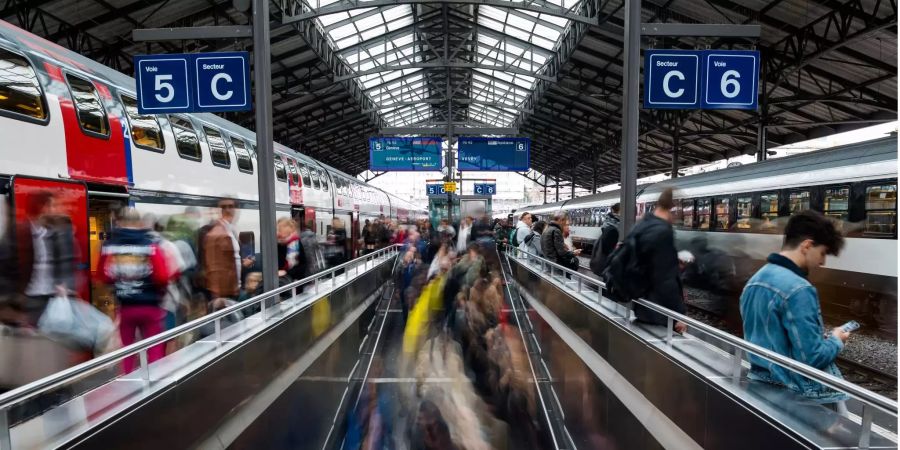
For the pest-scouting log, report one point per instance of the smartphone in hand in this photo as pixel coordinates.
(850, 326)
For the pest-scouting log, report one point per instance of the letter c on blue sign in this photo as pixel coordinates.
(667, 79)
(215, 86)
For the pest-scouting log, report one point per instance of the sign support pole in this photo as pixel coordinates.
(265, 163)
(449, 163)
(630, 114)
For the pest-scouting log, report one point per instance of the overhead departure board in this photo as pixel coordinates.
(404, 154)
(494, 154)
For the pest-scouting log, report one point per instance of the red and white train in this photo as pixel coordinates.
(71, 125)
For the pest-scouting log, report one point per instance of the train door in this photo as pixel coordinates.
(67, 208)
(101, 218)
(305, 217)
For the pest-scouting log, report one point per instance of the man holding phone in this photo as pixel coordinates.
(781, 310)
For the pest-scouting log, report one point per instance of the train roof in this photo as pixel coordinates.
(871, 159)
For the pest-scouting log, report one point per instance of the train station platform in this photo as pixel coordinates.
(290, 374)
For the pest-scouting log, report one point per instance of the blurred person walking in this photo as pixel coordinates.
(221, 253)
(291, 260)
(136, 267)
(465, 234)
(609, 238)
(651, 245)
(314, 259)
(46, 252)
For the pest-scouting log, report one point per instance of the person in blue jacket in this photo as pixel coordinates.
(781, 310)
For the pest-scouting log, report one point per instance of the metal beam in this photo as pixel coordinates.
(192, 33)
(306, 13)
(700, 30)
(459, 131)
(441, 65)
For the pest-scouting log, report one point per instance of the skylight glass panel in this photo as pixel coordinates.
(492, 13)
(397, 11)
(342, 31)
(374, 31)
(368, 22)
(333, 18)
(520, 39)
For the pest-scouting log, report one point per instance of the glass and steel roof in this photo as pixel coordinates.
(400, 53)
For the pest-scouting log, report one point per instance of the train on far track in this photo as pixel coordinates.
(731, 219)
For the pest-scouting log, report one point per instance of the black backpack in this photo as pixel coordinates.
(624, 276)
(598, 259)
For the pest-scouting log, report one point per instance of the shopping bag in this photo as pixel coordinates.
(75, 322)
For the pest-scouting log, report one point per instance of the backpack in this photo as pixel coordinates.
(598, 259)
(529, 238)
(513, 237)
(624, 276)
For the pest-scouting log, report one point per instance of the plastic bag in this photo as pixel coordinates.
(76, 322)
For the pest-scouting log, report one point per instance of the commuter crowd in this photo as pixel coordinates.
(159, 272)
(471, 382)
(163, 272)
(779, 307)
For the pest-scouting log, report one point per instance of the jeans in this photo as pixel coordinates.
(149, 320)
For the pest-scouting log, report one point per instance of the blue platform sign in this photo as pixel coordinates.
(435, 189)
(196, 82)
(405, 154)
(494, 154)
(485, 188)
(708, 79)
(730, 79)
(671, 79)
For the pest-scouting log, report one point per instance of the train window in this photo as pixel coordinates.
(324, 178)
(723, 214)
(881, 210)
(218, 151)
(677, 213)
(799, 201)
(305, 174)
(744, 212)
(292, 169)
(310, 174)
(703, 213)
(186, 141)
(145, 130)
(768, 210)
(280, 173)
(20, 91)
(91, 113)
(687, 213)
(313, 176)
(242, 154)
(837, 204)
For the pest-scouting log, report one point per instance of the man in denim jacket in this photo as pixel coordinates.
(781, 309)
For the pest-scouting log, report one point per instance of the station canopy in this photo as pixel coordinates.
(551, 70)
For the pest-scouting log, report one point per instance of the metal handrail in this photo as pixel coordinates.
(42, 385)
(864, 395)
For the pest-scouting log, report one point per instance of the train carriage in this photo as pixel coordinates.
(71, 126)
(741, 212)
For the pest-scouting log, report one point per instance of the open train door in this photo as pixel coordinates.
(70, 209)
(305, 217)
